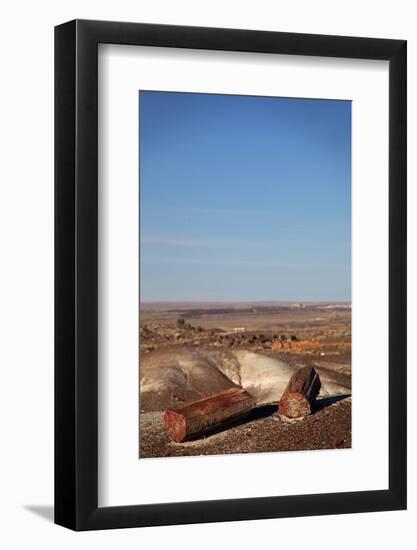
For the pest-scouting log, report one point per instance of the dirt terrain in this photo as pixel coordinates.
(265, 430)
(191, 351)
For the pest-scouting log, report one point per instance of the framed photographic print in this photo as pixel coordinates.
(230, 254)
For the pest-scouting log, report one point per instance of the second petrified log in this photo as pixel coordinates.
(206, 415)
(300, 393)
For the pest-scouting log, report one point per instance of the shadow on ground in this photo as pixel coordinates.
(262, 411)
(321, 404)
(45, 512)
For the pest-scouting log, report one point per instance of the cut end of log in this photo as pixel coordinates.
(294, 405)
(300, 393)
(175, 426)
(206, 415)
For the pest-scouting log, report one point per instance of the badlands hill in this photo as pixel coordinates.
(173, 375)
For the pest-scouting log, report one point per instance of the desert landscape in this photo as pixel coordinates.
(245, 274)
(194, 352)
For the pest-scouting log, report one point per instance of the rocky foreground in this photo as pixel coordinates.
(329, 427)
(181, 363)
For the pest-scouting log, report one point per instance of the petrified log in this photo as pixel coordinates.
(300, 393)
(208, 414)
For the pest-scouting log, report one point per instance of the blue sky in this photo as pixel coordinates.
(244, 198)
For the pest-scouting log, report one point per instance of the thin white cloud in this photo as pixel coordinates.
(222, 243)
(245, 263)
(173, 241)
(267, 215)
(217, 211)
(145, 239)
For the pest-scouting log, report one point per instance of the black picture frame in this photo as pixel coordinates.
(76, 272)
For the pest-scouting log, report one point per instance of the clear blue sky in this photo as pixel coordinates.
(244, 198)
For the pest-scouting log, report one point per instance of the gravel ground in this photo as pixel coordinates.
(265, 430)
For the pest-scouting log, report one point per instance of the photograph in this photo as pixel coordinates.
(245, 274)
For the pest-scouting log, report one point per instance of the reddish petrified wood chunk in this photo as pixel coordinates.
(300, 393)
(208, 414)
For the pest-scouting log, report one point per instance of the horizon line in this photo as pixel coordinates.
(246, 301)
